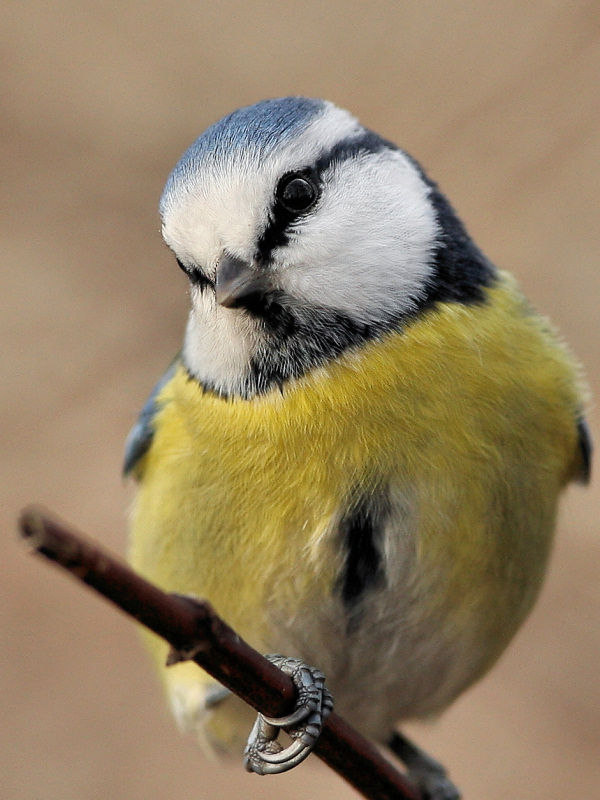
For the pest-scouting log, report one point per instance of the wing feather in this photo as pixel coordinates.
(586, 448)
(140, 436)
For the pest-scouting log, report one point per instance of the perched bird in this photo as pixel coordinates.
(358, 454)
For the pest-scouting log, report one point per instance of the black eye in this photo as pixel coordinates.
(296, 192)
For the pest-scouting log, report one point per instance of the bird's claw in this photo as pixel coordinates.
(434, 785)
(263, 754)
(423, 770)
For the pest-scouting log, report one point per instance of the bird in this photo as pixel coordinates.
(358, 454)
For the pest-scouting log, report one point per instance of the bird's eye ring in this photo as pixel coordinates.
(296, 192)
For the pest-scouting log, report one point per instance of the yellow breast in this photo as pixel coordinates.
(471, 410)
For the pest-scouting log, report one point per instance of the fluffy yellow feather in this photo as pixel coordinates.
(468, 415)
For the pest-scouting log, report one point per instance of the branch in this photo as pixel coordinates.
(193, 628)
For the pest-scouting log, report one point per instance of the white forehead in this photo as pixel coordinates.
(218, 196)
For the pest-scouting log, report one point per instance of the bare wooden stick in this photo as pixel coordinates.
(195, 631)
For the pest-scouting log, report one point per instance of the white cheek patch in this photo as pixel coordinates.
(367, 249)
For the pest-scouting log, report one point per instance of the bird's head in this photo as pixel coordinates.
(303, 234)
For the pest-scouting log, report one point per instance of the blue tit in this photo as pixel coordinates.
(358, 454)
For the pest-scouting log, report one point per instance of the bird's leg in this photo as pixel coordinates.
(215, 695)
(427, 773)
(263, 754)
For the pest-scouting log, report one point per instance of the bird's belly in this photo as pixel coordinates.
(395, 661)
(406, 649)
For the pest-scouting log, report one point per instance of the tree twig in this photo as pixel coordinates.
(193, 629)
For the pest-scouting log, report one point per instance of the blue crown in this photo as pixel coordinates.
(256, 129)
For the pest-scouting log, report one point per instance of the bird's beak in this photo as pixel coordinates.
(236, 280)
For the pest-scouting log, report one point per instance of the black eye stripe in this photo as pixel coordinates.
(182, 266)
(276, 234)
(195, 275)
(282, 215)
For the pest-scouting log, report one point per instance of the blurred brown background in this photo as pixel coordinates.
(500, 102)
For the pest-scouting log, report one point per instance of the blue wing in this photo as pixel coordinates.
(585, 449)
(140, 436)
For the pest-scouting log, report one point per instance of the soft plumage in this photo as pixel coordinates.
(358, 456)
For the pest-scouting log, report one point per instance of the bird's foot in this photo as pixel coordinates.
(424, 771)
(264, 754)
